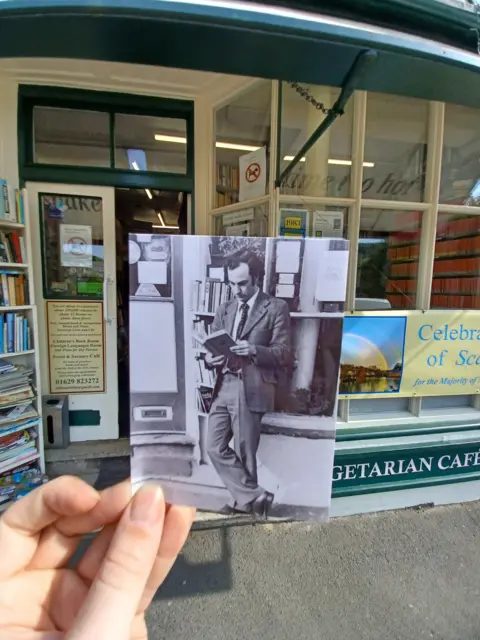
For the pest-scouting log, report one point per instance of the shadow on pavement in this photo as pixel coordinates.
(212, 574)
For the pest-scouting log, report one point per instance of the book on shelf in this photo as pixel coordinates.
(19, 443)
(15, 389)
(209, 294)
(12, 206)
(13, 288)
(19, 481)
(12, 247)
(224, 199)
(218, 343)
(202, 327)
(205, 376)
(204, 399)
(227, 176)
(15, 333)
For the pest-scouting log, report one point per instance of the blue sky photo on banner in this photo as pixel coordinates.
(412, 353)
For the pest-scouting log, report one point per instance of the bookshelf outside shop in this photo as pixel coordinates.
(93, 150)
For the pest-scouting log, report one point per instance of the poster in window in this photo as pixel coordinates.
(76, 346)
(76, 245)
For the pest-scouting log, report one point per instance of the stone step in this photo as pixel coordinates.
(183, 452)
(155, 466)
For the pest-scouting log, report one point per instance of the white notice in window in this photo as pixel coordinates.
(288, 256)
(76, 245)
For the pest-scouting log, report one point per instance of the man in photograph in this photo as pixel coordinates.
(246, 381)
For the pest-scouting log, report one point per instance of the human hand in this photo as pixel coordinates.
(105, 596)
(214, 361)
(244, 348)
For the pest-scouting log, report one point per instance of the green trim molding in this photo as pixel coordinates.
(406, 467)
(283, 45)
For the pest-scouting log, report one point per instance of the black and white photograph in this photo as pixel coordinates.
(235, 347)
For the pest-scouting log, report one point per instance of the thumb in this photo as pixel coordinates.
(115, 594)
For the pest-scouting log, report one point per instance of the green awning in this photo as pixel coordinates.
(253, 40)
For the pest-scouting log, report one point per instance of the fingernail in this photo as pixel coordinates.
(147, 505)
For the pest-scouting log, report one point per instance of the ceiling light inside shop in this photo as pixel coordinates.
(345, 163)
(236, 147)
(159, 137)
(147, 191)
(162, 224)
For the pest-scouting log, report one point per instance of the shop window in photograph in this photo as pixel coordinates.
(243, 128)
(71, 137)
(460, 178)
(149, 143)
(325, 169)
(395, 148)
(72, 246)
(387, 264)
(456, 269)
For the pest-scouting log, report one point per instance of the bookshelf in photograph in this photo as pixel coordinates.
(22, 465)
(207, 296)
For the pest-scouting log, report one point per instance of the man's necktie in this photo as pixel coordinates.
(243, 320)
(234, 364)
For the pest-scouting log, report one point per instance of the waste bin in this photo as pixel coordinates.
(55, 422)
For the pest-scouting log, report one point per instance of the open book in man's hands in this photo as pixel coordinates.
(218, 343)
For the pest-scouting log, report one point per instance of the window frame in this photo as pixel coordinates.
(413, 416)
(31, 96)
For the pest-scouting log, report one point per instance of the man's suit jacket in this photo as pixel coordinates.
(268, 328)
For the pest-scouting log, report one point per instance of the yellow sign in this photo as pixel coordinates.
(410, 354)
(76, 347)
(293, 223)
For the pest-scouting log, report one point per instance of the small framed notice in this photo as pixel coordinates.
(76, 347)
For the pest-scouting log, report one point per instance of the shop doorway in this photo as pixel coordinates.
(98, 408)
(146, 212)
(65, 216)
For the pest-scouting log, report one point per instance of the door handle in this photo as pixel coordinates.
(106, 317)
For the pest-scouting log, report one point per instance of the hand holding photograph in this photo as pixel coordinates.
(235, 349)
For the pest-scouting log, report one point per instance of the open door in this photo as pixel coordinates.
(73, 238)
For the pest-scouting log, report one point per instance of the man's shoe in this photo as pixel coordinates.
(262, 504)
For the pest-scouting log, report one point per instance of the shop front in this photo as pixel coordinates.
(107, 141)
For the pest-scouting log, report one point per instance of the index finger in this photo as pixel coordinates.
(23, 522)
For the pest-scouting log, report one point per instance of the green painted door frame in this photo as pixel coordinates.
(111, 103)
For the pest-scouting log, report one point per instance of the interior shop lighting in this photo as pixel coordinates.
(160, 137)
(162, 224)
(147, 191)
(345, 163)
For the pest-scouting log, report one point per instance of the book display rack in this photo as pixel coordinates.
(22, 464)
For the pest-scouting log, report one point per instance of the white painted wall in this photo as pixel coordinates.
(8, 130)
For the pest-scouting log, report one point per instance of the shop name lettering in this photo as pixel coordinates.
(83, 204)
(462, 357)
(389, 186)
(430, 464)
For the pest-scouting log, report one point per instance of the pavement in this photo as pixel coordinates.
(390, 576)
